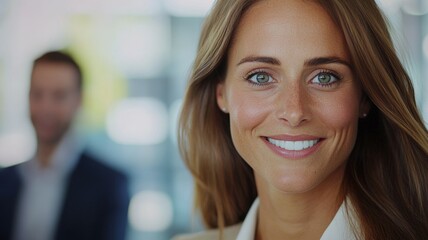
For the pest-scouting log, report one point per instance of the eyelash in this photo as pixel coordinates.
(335, 75)
(331, 73)
(252, 74)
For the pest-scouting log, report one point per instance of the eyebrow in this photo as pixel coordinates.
(310, 62)
(260, 59)
(326, 60)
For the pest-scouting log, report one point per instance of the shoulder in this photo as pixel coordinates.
(9, 173)
(89, 162)
(230, 233)
(10, 183)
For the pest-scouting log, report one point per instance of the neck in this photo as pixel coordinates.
(297, 215)
(44, 153)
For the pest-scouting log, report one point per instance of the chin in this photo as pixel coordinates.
(49, 138)
(294, 183)
(294, 187)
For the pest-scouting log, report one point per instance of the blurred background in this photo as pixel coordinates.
(136, 56)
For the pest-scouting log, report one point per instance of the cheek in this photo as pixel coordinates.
(36, 109)
(340, 111)
(339, 117)
(66, 107)
(246, 111)
(65, 114)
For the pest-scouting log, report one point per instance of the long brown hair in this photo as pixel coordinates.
(387, 173)
(386, 179)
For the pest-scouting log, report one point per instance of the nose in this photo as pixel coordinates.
(293, 105)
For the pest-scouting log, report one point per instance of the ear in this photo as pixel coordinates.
(365, 106)
(221, 97)
(79, 100)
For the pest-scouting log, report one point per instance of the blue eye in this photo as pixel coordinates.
(260, 78)
(325, 78)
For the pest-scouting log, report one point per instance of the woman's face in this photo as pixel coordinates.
(291, 96)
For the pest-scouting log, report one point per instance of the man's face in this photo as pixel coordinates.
(54, 100)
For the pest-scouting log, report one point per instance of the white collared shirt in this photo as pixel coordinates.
(339, 228)
(43, 191)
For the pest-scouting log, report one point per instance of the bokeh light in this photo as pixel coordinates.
(16, 147)
(174, 112)
(425, 46)
(188, 8)
(140, 121)
(150, 211)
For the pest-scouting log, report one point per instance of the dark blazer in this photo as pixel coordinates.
(95, 205)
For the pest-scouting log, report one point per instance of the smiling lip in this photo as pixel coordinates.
(293, 147)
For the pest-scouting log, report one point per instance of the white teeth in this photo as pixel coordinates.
(293, 145)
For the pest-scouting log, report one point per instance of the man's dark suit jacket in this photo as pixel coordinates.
(95, 205)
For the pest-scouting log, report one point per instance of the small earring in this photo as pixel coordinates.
(224, 110)
(364, 115)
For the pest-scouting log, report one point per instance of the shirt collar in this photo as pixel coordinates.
(64, 158)
(339, 228)
(248, 228)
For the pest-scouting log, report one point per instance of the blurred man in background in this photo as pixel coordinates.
(63, 192)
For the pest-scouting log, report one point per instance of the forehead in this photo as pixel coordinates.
(282, 27)
(47, 75)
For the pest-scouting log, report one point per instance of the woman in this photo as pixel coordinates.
(300, 121)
